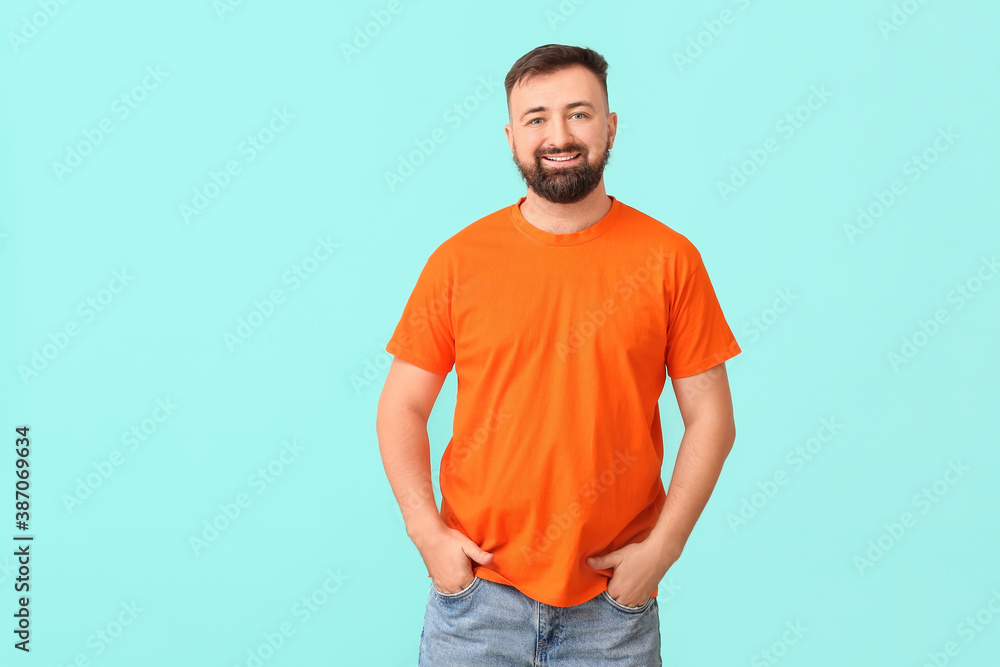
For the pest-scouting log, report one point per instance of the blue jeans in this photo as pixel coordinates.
(495, 625)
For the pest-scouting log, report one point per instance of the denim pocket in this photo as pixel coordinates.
(631, 610)
(462, 593)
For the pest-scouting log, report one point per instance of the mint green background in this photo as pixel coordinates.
(301, 375)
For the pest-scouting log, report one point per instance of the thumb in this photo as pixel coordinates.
(603, 562)
(473, 551)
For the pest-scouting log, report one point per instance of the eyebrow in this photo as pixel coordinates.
(571, 105)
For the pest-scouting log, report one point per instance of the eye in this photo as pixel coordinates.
(580, 113)
(533, 120)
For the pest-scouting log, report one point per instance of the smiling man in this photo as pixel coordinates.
(562, 315)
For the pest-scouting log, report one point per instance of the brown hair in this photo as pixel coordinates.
(554, 57)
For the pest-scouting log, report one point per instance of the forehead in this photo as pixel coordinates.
(576, 82)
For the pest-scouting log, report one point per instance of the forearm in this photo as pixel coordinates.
(405, 450)
(700, 456)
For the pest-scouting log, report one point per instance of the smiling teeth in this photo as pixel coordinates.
(561, 159)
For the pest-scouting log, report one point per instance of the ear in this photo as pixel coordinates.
(612, 128)
(509, 131)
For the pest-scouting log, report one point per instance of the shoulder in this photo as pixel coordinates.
(476, 235)
(650, 229)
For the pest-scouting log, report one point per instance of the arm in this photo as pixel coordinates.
(404, 406)
(706, 408)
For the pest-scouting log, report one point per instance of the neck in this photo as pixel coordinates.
(566, 218)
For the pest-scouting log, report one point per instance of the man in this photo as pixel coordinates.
(562, 315)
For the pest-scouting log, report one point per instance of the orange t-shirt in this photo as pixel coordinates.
(562, 344)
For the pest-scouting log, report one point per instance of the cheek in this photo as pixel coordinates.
(528, 155)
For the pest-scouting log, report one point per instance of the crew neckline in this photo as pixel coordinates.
(573, 238)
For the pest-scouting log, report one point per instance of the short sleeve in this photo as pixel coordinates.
(698, 336)
(425, 336)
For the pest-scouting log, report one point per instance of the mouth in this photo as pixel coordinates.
(562, 159)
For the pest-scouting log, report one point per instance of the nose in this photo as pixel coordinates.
(560, 135)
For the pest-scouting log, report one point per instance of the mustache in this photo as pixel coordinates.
(569, 149)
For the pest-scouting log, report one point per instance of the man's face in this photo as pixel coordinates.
(561, 114)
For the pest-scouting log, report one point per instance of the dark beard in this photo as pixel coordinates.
(564, 185)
